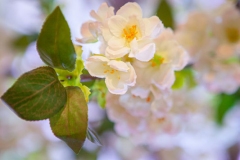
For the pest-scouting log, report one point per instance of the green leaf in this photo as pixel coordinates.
(226, 103)
(164, 12)
(54, 43)
(70, 124)
(93, 137)
(36, 95)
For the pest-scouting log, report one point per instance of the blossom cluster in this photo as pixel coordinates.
(142, 61)
(135, 51)
(138, 59)
(213, 44)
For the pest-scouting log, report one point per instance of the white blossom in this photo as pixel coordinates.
(118, 74)
(131, 34)
(91, 30)
(214, 47)
(169, 57)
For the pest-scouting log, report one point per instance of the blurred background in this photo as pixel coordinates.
(20, 24)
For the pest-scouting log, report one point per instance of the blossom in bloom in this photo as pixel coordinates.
(176, 127)
(136, 105)
(215, 54)
(169, 57)
(91, 30)
(104, 12)
(195, 37)
(227, 30)
(119, 75)
(129, 33)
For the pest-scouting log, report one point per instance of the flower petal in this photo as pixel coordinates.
(129, 77)
(140, 91)
(153, 26)
(106, 33)
(85, 29)
(118, 65)
(116, 43)
(115, 86)
(89, 32)
(166, 35)
(116, 25)
(95, 15)
(103, 12)
(113, 54)
(87, 40)
(96, 66)
(146, 53)
(174, 54)
(182, 58)
(165, 77)
(134, 48)
(160, 107)
(130, 9)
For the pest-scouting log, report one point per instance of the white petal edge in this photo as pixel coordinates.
(96, 66)
(134, 48)
(130, 9)
(140, 91)
(87, 40)
(113, 54)
(146, 53)
(153, 26)
(103, 12)
(116, 43)
(165, 77)
(132, 76)
(114, 88)
(107, 35)
(118, 65)
(116, 25)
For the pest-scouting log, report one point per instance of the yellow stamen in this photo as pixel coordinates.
(112, 71)
(129, 33)
(106, 71)
(157, 60)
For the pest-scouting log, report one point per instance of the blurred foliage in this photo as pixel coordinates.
(106, 125)
(87, 79)
(99, 91)
(86, 155)
(185, 78)
(164, 12)
(225, 103)
(47, 6)
(22, 41)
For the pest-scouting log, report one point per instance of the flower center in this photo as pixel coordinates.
(232, 34)
(157, 60)
(129, 33)
(111, 71)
